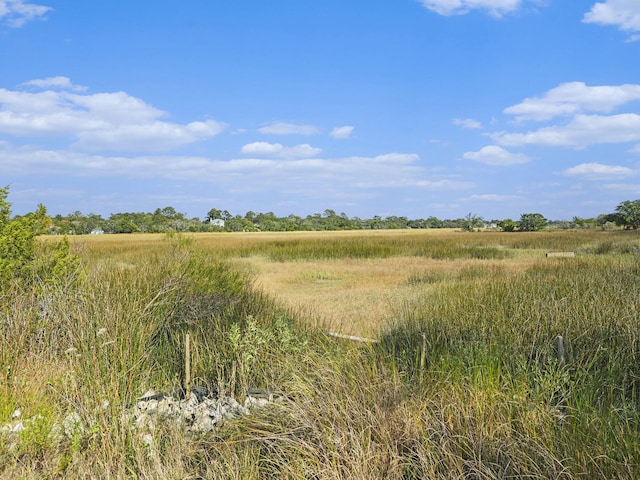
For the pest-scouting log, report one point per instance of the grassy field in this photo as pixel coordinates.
(464, 380)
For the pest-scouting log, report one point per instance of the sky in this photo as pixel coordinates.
(411, 108)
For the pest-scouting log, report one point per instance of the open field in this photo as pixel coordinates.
(465, 380)
(358, 292)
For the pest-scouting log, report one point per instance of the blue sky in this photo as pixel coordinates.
(412, 108)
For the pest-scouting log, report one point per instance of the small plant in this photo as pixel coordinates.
(426, 277)
(321, 275)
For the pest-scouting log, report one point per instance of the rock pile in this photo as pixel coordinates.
(200, 412)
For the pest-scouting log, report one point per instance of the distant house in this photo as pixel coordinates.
(216, 222)
(97, 231)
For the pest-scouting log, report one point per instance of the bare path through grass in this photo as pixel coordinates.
(359, 296)
(349, 295)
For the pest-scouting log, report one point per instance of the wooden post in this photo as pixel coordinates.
(561, 393)
(560, 346)
(351, 337)
(187, 363)
(423, 353)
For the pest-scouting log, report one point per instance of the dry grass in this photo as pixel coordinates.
(463, 383)
(358, 297)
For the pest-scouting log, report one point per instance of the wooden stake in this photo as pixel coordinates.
(187, 363)
(560, 346)
(351, 337)
(423, 353)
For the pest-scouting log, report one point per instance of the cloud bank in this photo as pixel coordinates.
(16, 13)
(101, 121)
(624, 14)
(495, 155)
(496, 8)
(598, 171)
(579, 112)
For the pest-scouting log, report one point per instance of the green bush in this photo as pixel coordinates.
(22, 258)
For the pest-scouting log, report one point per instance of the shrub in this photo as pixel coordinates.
(22, 259)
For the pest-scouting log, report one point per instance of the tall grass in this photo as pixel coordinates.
(493, 340)
(482, 396)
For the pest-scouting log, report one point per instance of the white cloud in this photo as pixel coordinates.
(16, 13)
(625, 14)
(302, 150)
(493, 197)
(495, 155)
(396, 158)
(262, 148)
(109, 121)
(153, 136)
(572, 98)
(62, 83)
(580, 132)
(496, 8)
(342, 132)
(444, 184)
(598, 171)
(467, 123)
(277, 149)
(306, 176)
(282, 128)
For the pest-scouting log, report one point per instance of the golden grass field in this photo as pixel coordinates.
(345, 295)
(465, 379)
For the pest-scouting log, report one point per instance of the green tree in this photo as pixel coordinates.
(18, 238)
(531, 222)
(471, 222)
(629, 213)
(21, 257)
(507, 225)
(213, 214)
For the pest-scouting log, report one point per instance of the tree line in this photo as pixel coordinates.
(165, 219)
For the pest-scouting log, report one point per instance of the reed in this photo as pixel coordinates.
(464, 382)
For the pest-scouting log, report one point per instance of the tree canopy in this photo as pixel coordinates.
(629, 213)
(532, 222)
(169, 219)
(22, 258)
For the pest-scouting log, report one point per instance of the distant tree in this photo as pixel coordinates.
(629, 213)
(170, 213)
(213, 214)
(433, 222)
(18, 239)
(234, 224)
(608, 221)
(471, 222)
(22, 258)
(531, 222)
(292, 223)
(507, 225)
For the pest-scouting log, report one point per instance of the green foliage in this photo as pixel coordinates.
(629, 213)
(254, 346)
(507, 225)
(471, 222)
(167, 218)
(492, 400)
(18, 240)
(22, 257)
(492, 341)
(532, 222)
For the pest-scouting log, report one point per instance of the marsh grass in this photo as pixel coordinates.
(492, 400)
